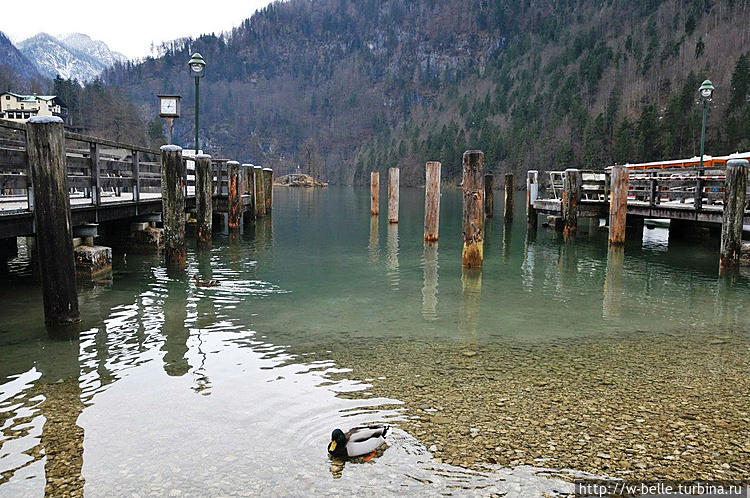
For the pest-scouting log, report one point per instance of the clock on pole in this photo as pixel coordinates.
(169, 109)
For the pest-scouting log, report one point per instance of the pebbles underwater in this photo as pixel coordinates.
(639, 406)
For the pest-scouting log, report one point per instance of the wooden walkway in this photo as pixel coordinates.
(107, 181)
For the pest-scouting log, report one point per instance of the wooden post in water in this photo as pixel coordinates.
(173, 206)
(45, 149)
(374, 193)
(393, 195)
(618, 205)
(510, 190)
(735, 192)
(249, 189)
(473, 209)
(489, 195)
(532, 191)
(234, 195)
(203, 197)
(432, 201)
(268, 189)
(260, 198)
(570, 200)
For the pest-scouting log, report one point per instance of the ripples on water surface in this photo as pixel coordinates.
(224, 391)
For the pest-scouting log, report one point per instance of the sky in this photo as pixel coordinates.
(131, 26)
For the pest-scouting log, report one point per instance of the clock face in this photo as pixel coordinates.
(169, 106)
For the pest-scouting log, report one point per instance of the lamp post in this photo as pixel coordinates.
(198, 70)
(707, 91)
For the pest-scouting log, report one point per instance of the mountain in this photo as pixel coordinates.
(93, 48)
(13, 59)
(74, 56)
(361, 85)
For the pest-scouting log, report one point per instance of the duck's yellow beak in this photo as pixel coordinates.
(332, 447)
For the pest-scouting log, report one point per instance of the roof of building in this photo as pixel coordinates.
(29, 98)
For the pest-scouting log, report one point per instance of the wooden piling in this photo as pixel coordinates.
(735, 197)
(45, 149)
(260, 198)
(489, 196)
(248, 189)
(393, 175)
(618, 205)
(234, 195)
(571, 198)
(204, 208)
(432, 201)
(268, 189)
(374, 193)
(173, 206)
(532, 191)
(473, 209)
(510, 191)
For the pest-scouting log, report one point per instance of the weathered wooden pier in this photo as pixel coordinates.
(690, 197)
(61, 187)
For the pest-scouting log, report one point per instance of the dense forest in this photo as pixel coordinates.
(343, 87)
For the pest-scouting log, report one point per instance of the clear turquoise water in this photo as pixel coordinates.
(196, 391)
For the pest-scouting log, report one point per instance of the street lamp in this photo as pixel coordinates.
(707, 92)
(197, 69)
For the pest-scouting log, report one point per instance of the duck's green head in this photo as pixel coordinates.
(338, 443)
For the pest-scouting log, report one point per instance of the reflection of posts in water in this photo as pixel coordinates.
(62, 438)
(507, 240)
(391, 259)
(430, 289)
(471, 293)
(175, 332)
(613, 283)
(374, 245)
(527, 267)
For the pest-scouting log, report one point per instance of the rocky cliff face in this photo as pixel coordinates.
(12, 58)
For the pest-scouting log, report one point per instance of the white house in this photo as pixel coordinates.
(20, 108)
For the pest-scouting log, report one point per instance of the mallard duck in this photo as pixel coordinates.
(358, 441)
(205, 283)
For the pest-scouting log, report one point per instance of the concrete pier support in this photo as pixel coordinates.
(473, 209)
(203, 197)
(735, 198)
(93, 262)
(45, 148)
(144, 239)
(173, 206)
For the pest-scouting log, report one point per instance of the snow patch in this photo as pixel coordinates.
(45, 119)
(170, 148)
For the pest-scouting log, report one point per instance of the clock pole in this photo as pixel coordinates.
(197, 69)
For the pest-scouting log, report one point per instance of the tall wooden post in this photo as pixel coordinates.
(571, 198)
(734, 211)
(249, 189)
(473, 209)
(268, 189)
(173, 206)
(203, 197)
(234, 195)
(489, 196)
(374, 193)
(510, 191)
(618, 205)
(260, 198)
(393, 174)
(532, 191)
(432, 201)
(45, 149)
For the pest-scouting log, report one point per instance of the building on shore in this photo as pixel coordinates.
(20, 108)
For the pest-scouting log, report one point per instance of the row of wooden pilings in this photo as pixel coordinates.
(735, 199)
(478, 202)
(45, 146)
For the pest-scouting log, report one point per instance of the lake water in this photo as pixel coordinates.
(321, 320)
